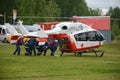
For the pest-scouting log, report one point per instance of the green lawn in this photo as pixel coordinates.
(67, 67)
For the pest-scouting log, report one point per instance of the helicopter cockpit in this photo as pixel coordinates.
(91, 36)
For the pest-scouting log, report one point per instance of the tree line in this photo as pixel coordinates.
(45, 8)
(52, 10)
(114, 13)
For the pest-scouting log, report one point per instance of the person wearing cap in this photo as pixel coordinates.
(53, 47)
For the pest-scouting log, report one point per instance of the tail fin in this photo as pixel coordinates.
(11, 29)
(13, 33)
(22, 28)
(41, 32)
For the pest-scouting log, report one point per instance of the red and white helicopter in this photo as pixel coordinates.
(72, 37)
(77, 37)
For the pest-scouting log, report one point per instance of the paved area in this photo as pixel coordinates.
(1, 43)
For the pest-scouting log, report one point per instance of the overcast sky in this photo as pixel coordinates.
(103, 4)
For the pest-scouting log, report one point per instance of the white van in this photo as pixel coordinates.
(4, 33)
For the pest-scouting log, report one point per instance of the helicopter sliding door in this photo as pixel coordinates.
(91, 39)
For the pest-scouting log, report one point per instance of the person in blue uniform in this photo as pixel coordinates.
(43, 48)
(26, 45)
(18, 43)
(32, 43)
(53, 47)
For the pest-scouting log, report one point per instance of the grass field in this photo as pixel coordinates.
(67, 67)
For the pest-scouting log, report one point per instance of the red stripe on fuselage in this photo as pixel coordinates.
(14, 37)
(80, 49)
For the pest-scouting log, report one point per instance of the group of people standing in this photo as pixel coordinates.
(32, 44)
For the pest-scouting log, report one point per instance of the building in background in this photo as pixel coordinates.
(101, 23)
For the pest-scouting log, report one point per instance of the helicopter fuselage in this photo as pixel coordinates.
(80, 40)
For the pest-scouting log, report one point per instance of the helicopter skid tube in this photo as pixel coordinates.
(98, 53)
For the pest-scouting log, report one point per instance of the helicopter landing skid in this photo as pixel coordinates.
(98, 53)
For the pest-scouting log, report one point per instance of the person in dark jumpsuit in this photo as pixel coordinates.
(18, 43)
(53, 47)
(43, 48)
(26, 45)
(32, 43)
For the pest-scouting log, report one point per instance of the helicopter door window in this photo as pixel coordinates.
(80, 37)
(91, 36)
